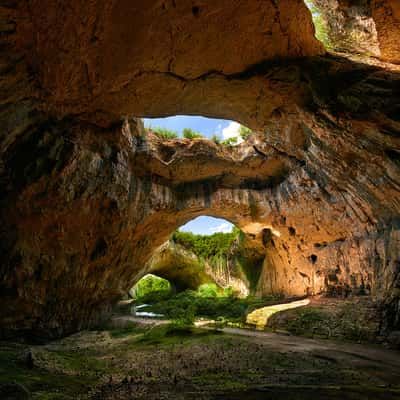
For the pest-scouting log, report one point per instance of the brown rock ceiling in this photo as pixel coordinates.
(87, 198)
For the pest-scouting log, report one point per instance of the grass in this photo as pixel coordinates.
(346, 322)
(224, 307)
(129, 330)
(151, 288)
(174, 333)
(164, 133)
(191, 134)
(44, 383)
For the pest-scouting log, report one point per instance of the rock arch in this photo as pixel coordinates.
(86, 196)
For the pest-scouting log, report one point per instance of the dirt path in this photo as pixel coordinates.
(353, 353)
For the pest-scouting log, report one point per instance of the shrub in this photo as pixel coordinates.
(164, 133)
(191, 134)
(230, 141)
(245, 132)
(207, 246)
(188, 305)
(151, 289)
(209, 290)
(215, 139)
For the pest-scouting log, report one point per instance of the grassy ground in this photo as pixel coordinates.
(182, 362)
(355, 319)
(189, 305)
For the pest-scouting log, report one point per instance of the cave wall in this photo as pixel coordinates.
(362, 27)
(86, 196)
(238, 269)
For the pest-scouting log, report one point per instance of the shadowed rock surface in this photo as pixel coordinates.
(86, 196)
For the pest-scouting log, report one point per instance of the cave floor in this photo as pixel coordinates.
(163, 362)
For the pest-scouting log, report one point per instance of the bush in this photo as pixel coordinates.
(191, 134)
(230, 141)
(245, 132)
(209, 290)
(164, 133)
(188, 305)
(207, 246)
(215, 139)
(151, 289)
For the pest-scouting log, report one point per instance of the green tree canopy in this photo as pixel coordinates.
(191, 134)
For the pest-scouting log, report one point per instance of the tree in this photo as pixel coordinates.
(191, 134)
(164, 133)
(245, 132)
(215, 138)
(230, 141)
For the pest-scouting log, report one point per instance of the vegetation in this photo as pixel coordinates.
(348, 321)
(208, 301)
(191, 134)
(165, 133)
(173, 333)
(230, 141)
(151, 288)
(245, 132)
(215, 139)
(320, 24)
(207, 246)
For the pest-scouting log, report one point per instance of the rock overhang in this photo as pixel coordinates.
(326, 128)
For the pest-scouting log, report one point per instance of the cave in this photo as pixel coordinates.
(208, 250)
(88, 196)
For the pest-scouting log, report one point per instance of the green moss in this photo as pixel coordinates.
(252, 271)
(219, 381)
(45, 384)
(346, 322)
(175, 334)
(129, 330)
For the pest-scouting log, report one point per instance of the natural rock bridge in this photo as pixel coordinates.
(87, 196)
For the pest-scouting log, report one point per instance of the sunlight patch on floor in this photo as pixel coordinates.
(260, 317)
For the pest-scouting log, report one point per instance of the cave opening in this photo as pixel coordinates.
(219, 131)
(89, 195)
(208, 269)
(204, 250)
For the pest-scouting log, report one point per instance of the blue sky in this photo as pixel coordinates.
(207, 225)
(223, 128)
(207, 127)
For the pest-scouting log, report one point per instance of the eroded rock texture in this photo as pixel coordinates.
(366, 27)
(87, 197)
(238, 269)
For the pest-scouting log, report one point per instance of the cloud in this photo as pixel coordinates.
(232, 130)
(224, 227)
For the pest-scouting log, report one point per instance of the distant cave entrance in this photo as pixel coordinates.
(200, 272)
(151, 288)
(209, 250)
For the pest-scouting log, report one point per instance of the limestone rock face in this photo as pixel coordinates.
(87, 196)
(350, 26)
(105, 56)
(387, 19)
(239, 269)
(365, 27)
(180, 266)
